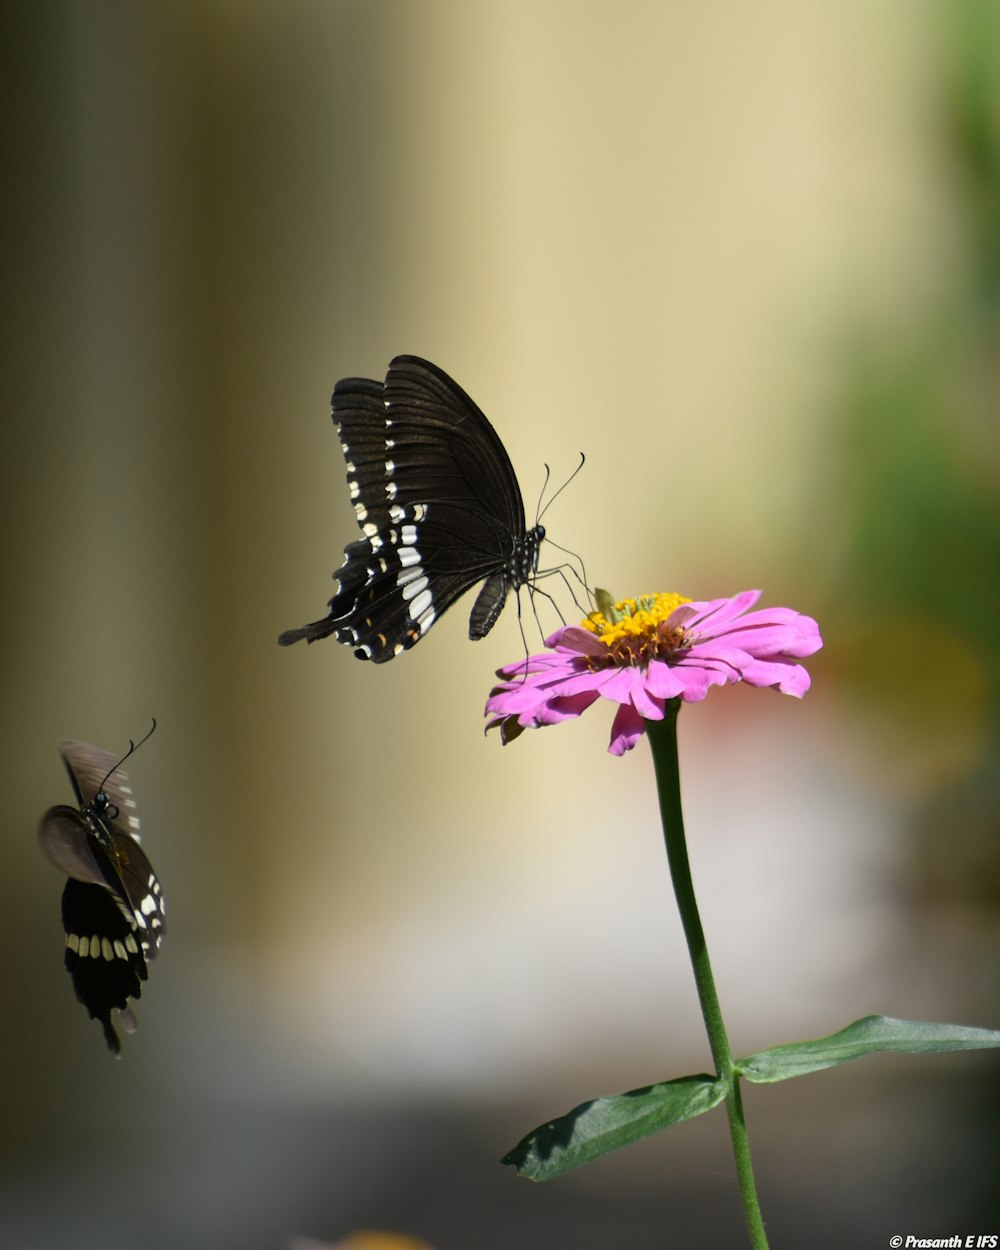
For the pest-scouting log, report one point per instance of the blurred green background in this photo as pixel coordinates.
(748, 260)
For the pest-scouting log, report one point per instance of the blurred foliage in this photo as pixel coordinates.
(916, 536)
(972, 107)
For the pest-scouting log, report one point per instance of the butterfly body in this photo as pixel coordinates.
(439, 508)
(112, 904)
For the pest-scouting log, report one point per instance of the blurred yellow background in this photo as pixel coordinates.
(748, 261)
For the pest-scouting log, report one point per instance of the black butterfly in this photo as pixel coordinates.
(112, 906)
(439, 506)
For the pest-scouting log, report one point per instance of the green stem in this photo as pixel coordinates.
(663, 743)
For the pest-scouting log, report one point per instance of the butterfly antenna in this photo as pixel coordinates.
(132, 748)
(539, 515)
(579, 573)
(541, 494)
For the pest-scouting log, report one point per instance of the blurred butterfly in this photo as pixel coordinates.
(439, 508)
(112, 906)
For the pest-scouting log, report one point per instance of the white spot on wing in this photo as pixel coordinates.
(420, 605)
(412, 589)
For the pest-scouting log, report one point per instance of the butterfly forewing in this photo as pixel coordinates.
(88, 768)
(434, 422)
(439, 507)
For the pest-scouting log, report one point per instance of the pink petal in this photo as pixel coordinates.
(575, 638)
(769, 639)
(698, 682)
(663, 681)
(644, 703)
(717, 612)
(626, 730)
(513, 700)
(577, 680)
(533, 664)
(789, 678)
(560, 708)
(618, 683)
(716, 659)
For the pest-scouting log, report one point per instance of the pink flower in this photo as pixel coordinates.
(642, 652)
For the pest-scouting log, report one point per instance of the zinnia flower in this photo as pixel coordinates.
(642, 652)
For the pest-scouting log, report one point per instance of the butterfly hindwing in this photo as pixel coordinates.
(103, 957)
(439, 508)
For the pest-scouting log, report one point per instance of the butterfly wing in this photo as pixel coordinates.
(103, 957)
(439, 508)
(62, 833)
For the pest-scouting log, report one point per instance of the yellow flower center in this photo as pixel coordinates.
(634, 630)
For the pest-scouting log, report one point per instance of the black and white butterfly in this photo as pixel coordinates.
(439, 507)
(112, 906)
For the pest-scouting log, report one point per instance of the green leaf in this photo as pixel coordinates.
(863, 1037)
(594, 1128)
